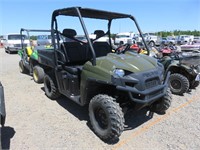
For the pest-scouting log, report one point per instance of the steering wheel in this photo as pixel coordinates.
(122, 48)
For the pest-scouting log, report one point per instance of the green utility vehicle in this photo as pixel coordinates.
(29, 62)
(185, 71)
(92, 73)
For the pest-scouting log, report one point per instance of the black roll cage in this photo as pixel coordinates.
(89, 13)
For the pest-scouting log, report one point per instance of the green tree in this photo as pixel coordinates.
(33, 37)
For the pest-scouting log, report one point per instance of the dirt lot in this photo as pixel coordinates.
(36, 122)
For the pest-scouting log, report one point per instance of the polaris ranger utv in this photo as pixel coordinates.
(29, 62)
(92, 73)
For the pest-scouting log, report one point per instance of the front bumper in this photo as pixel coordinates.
(14, 49)
(146, 89)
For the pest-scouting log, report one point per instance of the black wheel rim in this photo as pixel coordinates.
(176, 84)
(101, 118)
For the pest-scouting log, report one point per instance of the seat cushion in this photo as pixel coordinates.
(75, 70)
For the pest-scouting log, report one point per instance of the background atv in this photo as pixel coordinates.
(2, 105)
(90, 73)
(29, 62)
(185, 71)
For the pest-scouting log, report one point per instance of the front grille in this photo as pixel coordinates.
(151, 83)
(19, 45)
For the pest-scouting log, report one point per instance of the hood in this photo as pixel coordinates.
(129, 62)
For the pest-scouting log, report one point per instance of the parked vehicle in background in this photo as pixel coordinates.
(164, 41)
(12, 42)
(30, 63)
(2, 105)
(168, 41)
(122, 38)
(152, 39)
(183, 39)
(137, 38)
(1, 41)
(81, 38)
(191, 47)
(171, 40)
(43, 40)
(196, 39)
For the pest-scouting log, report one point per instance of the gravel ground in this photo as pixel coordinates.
(36, 122)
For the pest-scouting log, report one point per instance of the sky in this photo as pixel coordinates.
(152, 15)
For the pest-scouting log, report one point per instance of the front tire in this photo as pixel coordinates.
(38, 74)
(8, 50)
(162, 105)
(106, 117)
(179, 84)
(50, 88)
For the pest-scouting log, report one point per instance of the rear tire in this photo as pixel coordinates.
(162, 105)
(106, 117)
(38, 74)
(22, 68)
(50, 88)
(179, 84)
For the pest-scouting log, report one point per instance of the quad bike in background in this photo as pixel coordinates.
(185, 71)
(90, 73)
(168, 50)
(29, 62)
(2, 102)
(184, 68)
(139, 47)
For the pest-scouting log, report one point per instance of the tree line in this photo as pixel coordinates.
(178, 32)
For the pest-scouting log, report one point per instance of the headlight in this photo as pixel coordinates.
(119, 72)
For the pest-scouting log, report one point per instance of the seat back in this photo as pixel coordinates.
(29, 50)
(99, 33)
(101, 48)
(76, 53)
